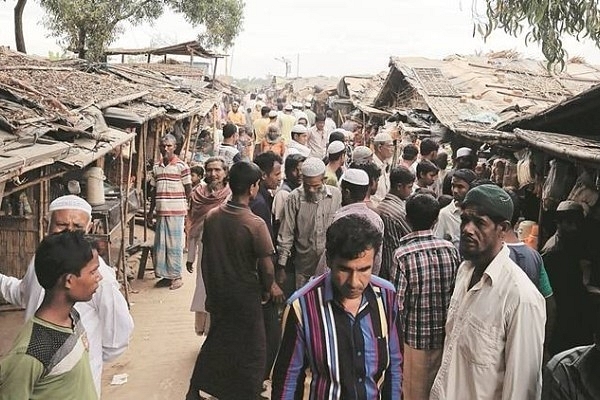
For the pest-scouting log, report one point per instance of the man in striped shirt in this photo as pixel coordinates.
(341, 336)
(171, 186)
(424, 271)
(392, 210)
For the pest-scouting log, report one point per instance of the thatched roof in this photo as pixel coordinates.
(474, 93)
(184, 49)
(583, 150)
(577, 115)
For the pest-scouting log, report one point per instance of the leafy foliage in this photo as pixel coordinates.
(545, 22)
(88, 26)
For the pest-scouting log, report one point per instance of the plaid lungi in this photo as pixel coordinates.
(169, 242)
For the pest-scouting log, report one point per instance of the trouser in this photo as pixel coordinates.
(420, 368)
(272, 334)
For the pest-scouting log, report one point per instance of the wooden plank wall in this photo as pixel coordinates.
(19, 238)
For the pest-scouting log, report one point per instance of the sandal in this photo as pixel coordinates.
(176, 284)
(190, 267)
(164, 282)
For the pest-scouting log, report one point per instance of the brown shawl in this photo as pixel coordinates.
(201, 202)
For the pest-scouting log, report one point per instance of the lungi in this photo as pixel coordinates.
(169, 242)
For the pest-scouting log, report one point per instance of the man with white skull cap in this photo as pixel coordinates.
(309, 211)
(105, 317)
(354, 186)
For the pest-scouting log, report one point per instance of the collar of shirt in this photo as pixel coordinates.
(454, 208)
(368, 294)
(383, 165)
(426, 234)
(173, 161)
(494, 270)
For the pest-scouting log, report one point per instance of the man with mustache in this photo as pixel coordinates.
(495, 325)
(309, 211)
(211, 194)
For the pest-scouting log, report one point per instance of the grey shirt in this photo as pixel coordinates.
(304, 226)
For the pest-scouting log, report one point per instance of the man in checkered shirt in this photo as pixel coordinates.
(423, 272)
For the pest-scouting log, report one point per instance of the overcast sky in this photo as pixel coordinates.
(330, 37)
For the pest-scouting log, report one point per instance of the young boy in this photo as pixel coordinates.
(197, 174)
(50, 359)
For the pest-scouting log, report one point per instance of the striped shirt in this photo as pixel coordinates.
(392, 211)
(229, 152)
(327, 353)
(169, 181)
(424, 272)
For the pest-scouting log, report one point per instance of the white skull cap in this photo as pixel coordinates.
(71, 202)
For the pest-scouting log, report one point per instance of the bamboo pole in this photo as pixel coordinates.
(124, 206)
(144, 174)
(188, 138)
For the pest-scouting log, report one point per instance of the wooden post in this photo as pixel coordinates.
(148, 60)
(215, 71)
(188, 138)
(144, 174)
(122, 58)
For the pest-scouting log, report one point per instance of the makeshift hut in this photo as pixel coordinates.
(51, 132)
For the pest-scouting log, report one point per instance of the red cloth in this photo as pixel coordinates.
(201, 202)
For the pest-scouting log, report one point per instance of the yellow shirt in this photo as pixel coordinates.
(260, 129)
(237, 118)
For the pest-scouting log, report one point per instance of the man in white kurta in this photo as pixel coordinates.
(105, 317)
(495, 325)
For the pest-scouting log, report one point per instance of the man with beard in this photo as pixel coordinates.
(565, 258)
(309, 211)
(171, 187)
(495, 325)
(204, 198)
(448, 224)
(231, 362)
(354, 186)
(384, 150)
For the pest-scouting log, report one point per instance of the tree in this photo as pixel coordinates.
(545, 22)
(88, 26)
(18, 17)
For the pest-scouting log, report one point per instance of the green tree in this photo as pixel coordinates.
(87, 27)
(544, 22)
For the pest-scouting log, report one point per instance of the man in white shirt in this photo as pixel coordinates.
(317, 138)
(105, 317)
(448, 224)
(384, 150)
(495, 325)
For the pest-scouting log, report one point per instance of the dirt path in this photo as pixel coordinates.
(164, 347)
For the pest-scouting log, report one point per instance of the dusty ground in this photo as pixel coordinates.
(163, 349)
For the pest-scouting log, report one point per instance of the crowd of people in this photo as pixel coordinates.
(331, 268)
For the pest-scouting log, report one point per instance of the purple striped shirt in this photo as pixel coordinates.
(327, 353)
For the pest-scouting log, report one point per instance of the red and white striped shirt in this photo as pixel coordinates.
(169, 181)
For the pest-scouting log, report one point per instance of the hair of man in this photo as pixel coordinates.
(427, 146)
(370, 168)
(357, 192)
(350, 236)
(425, 167)
(266, 161)
(401, 175)
(292, 161)
(242, 176)
(422, 211)
(59, 254)
(229, 130)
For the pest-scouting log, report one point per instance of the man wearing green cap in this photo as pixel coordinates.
(495, 324)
